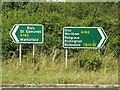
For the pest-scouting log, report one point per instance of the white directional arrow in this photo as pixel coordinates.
(19, 33)
(14, 35)
(103, 37)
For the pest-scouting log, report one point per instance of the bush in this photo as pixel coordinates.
(55, 16)
(90, 60)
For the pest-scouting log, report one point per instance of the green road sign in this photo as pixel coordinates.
(27, 33)
(83, 37)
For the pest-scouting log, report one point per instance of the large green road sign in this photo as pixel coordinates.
(27, 33)
(83, 37)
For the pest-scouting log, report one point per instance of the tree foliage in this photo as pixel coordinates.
(55, 16)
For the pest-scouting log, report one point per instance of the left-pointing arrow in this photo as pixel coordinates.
(14, 35)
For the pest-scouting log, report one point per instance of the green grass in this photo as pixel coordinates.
(47, 72)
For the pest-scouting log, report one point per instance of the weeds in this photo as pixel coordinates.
(51, 70)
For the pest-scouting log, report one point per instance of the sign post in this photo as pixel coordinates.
(33, 55)
(66, 63)
(20, 54)
(83, 37)
(27, 33)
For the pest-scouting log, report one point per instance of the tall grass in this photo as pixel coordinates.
(50, 69)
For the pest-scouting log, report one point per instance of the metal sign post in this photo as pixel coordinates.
(20, 61)
(33, 55)
(99, 51)
(27, 33)
(83, 37)
(66, 60)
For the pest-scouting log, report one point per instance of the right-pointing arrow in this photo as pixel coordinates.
(103, 37)
(14, 35)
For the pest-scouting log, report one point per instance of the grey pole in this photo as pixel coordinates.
(20, 61)
(33, 55)
(99, 51)
(66, 62)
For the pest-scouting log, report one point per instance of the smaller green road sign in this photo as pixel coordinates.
(83, 37)
(27, 33)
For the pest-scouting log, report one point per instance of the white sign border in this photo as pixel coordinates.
(27, 42)
(86, 47)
